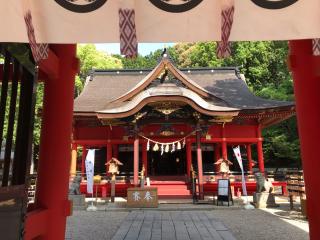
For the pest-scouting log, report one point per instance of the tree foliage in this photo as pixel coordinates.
(91, 58)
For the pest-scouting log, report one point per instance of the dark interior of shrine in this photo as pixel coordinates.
(170, 163)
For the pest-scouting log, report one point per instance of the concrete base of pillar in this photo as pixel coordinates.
(264, 200)
(78, 201)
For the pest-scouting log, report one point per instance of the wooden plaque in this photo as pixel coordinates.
(142, 197)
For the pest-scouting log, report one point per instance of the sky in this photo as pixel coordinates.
(143, 48)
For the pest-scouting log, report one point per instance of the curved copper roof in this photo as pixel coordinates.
(214, 92)
(166, 92)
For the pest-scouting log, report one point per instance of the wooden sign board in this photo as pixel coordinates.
(142, 197)
(224, 191)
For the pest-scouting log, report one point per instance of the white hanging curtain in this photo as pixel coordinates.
(82, 21)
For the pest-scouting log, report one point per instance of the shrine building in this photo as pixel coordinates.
(170, 121)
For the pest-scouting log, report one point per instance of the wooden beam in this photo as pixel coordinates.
(42, 75)
(24, 137)
(3, 103)
(101, 142)
(10, 72)
(274, 121)
(36, 223)
(11, 123)
(228, 140)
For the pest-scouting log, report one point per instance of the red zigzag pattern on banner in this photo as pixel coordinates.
(316, 46)
(224, 46)
(39, 51)
(128, 37)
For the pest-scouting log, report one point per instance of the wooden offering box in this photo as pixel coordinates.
(142, 197)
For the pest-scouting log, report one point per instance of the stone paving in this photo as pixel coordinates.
(175, 225)
(187, 221)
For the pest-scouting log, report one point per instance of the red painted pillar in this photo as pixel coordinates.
(136, 160)
(249, 157)
(260, 150)
(53, 169)
(199, 160)
(217, 156)
(73, 163)
(83, 159)
(306, 75)
(145, 158)
(108, 156)
(116, 151)
(189, 158)
(109, 152)
(224, 144)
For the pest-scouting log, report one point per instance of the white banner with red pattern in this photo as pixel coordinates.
(93, 21)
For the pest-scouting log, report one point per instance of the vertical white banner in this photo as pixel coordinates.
(237, 153)
(90, 170)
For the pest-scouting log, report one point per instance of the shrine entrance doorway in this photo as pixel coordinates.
(167, 164)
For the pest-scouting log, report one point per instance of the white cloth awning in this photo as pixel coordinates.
(253, 20)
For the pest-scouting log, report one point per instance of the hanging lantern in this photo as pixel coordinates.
(148, 145)
(167, 148)
(156, 147)
(178, 145)
(162, 149)
(173, 147)
(184, 143)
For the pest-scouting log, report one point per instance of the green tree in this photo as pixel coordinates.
(146, 62)
(197, 55)
(91, 58)
(263, 63)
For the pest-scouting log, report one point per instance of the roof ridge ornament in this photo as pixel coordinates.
(165, 56)
(164, 52)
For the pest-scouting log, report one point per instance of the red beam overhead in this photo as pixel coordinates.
(50, 66)
(102, 143)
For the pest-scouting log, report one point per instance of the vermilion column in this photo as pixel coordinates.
(189, 157)
(306, 75)
(54, 159)
(224, 144)
(260, 150)
(199, 160)
(109, 152)
(217, 156)
(84, 155)
(108, 156)
(136, 160)
(145, 158)
(73, 167)
(116, 151)
(249, 157)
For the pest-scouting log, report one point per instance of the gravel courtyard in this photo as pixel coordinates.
(257, 224)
